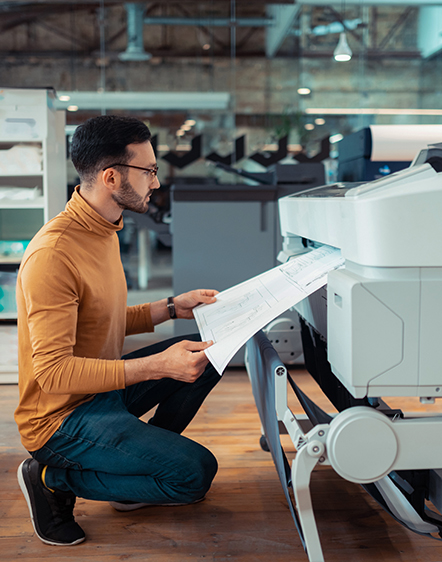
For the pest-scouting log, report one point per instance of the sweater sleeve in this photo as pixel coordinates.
(138, 319)
(51, 289)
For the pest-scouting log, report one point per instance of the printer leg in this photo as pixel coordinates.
(302, 467)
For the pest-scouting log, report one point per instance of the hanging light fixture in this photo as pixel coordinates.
(342, 53)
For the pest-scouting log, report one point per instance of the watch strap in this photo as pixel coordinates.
(171, 307)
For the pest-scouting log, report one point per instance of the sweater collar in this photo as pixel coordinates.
(78, 209)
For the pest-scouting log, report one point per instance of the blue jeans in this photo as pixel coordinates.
(102, 451)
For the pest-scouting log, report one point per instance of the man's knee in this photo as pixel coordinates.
(200, 474)
(210, 467)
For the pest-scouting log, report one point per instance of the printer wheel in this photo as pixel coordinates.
(263, 443)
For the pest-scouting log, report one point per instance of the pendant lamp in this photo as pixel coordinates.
(342, 53)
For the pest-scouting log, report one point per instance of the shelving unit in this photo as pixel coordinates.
(33, 183)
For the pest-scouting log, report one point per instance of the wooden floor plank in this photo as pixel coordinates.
(245, 516)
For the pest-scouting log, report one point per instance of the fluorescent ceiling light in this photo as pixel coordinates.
(336, 138)
(145, 100)
(368, 111)
(304, 91)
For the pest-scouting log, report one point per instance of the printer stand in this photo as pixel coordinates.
(387, 454)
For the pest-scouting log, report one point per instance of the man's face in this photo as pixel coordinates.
(137, 187)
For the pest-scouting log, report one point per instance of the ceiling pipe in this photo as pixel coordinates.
(210, 22)
(336, 27)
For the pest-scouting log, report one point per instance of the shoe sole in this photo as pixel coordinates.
(24, 489)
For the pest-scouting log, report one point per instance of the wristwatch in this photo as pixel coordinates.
(171, 307)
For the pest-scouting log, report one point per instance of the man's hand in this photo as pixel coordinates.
(186, 302)
(184, 361)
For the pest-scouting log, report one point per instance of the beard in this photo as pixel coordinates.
(127, 198)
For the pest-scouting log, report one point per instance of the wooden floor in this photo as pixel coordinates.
(244, 517)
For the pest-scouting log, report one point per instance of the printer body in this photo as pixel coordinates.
(381, 318)
(372, 333)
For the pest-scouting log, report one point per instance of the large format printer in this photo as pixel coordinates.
(374, 332)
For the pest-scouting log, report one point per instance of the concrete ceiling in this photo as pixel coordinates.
(171, 29)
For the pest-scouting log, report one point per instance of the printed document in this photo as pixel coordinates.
(243, 310)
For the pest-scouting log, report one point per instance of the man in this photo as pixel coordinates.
(79, 402)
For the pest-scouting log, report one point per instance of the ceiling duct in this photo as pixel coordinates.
(429, 34)
(283, 16)
(135, 23)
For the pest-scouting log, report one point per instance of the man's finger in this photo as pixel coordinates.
(208, 296)
(197, 345)
(209, 292)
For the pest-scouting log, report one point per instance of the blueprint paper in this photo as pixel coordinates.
(243, 310)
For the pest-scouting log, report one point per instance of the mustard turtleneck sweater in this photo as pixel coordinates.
(72, 319)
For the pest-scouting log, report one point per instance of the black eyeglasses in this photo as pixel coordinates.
(153, 171)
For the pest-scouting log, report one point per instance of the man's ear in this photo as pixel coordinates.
(111, 179)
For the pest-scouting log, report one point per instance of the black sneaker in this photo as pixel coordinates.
(51, 512)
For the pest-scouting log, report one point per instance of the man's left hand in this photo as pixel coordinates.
(186, 302)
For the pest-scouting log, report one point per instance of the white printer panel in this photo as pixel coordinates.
(384, 334)
(393, 222)
(373, 333)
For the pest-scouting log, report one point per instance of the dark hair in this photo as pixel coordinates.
(102, 141)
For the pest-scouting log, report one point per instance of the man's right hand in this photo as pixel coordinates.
(184, 361)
